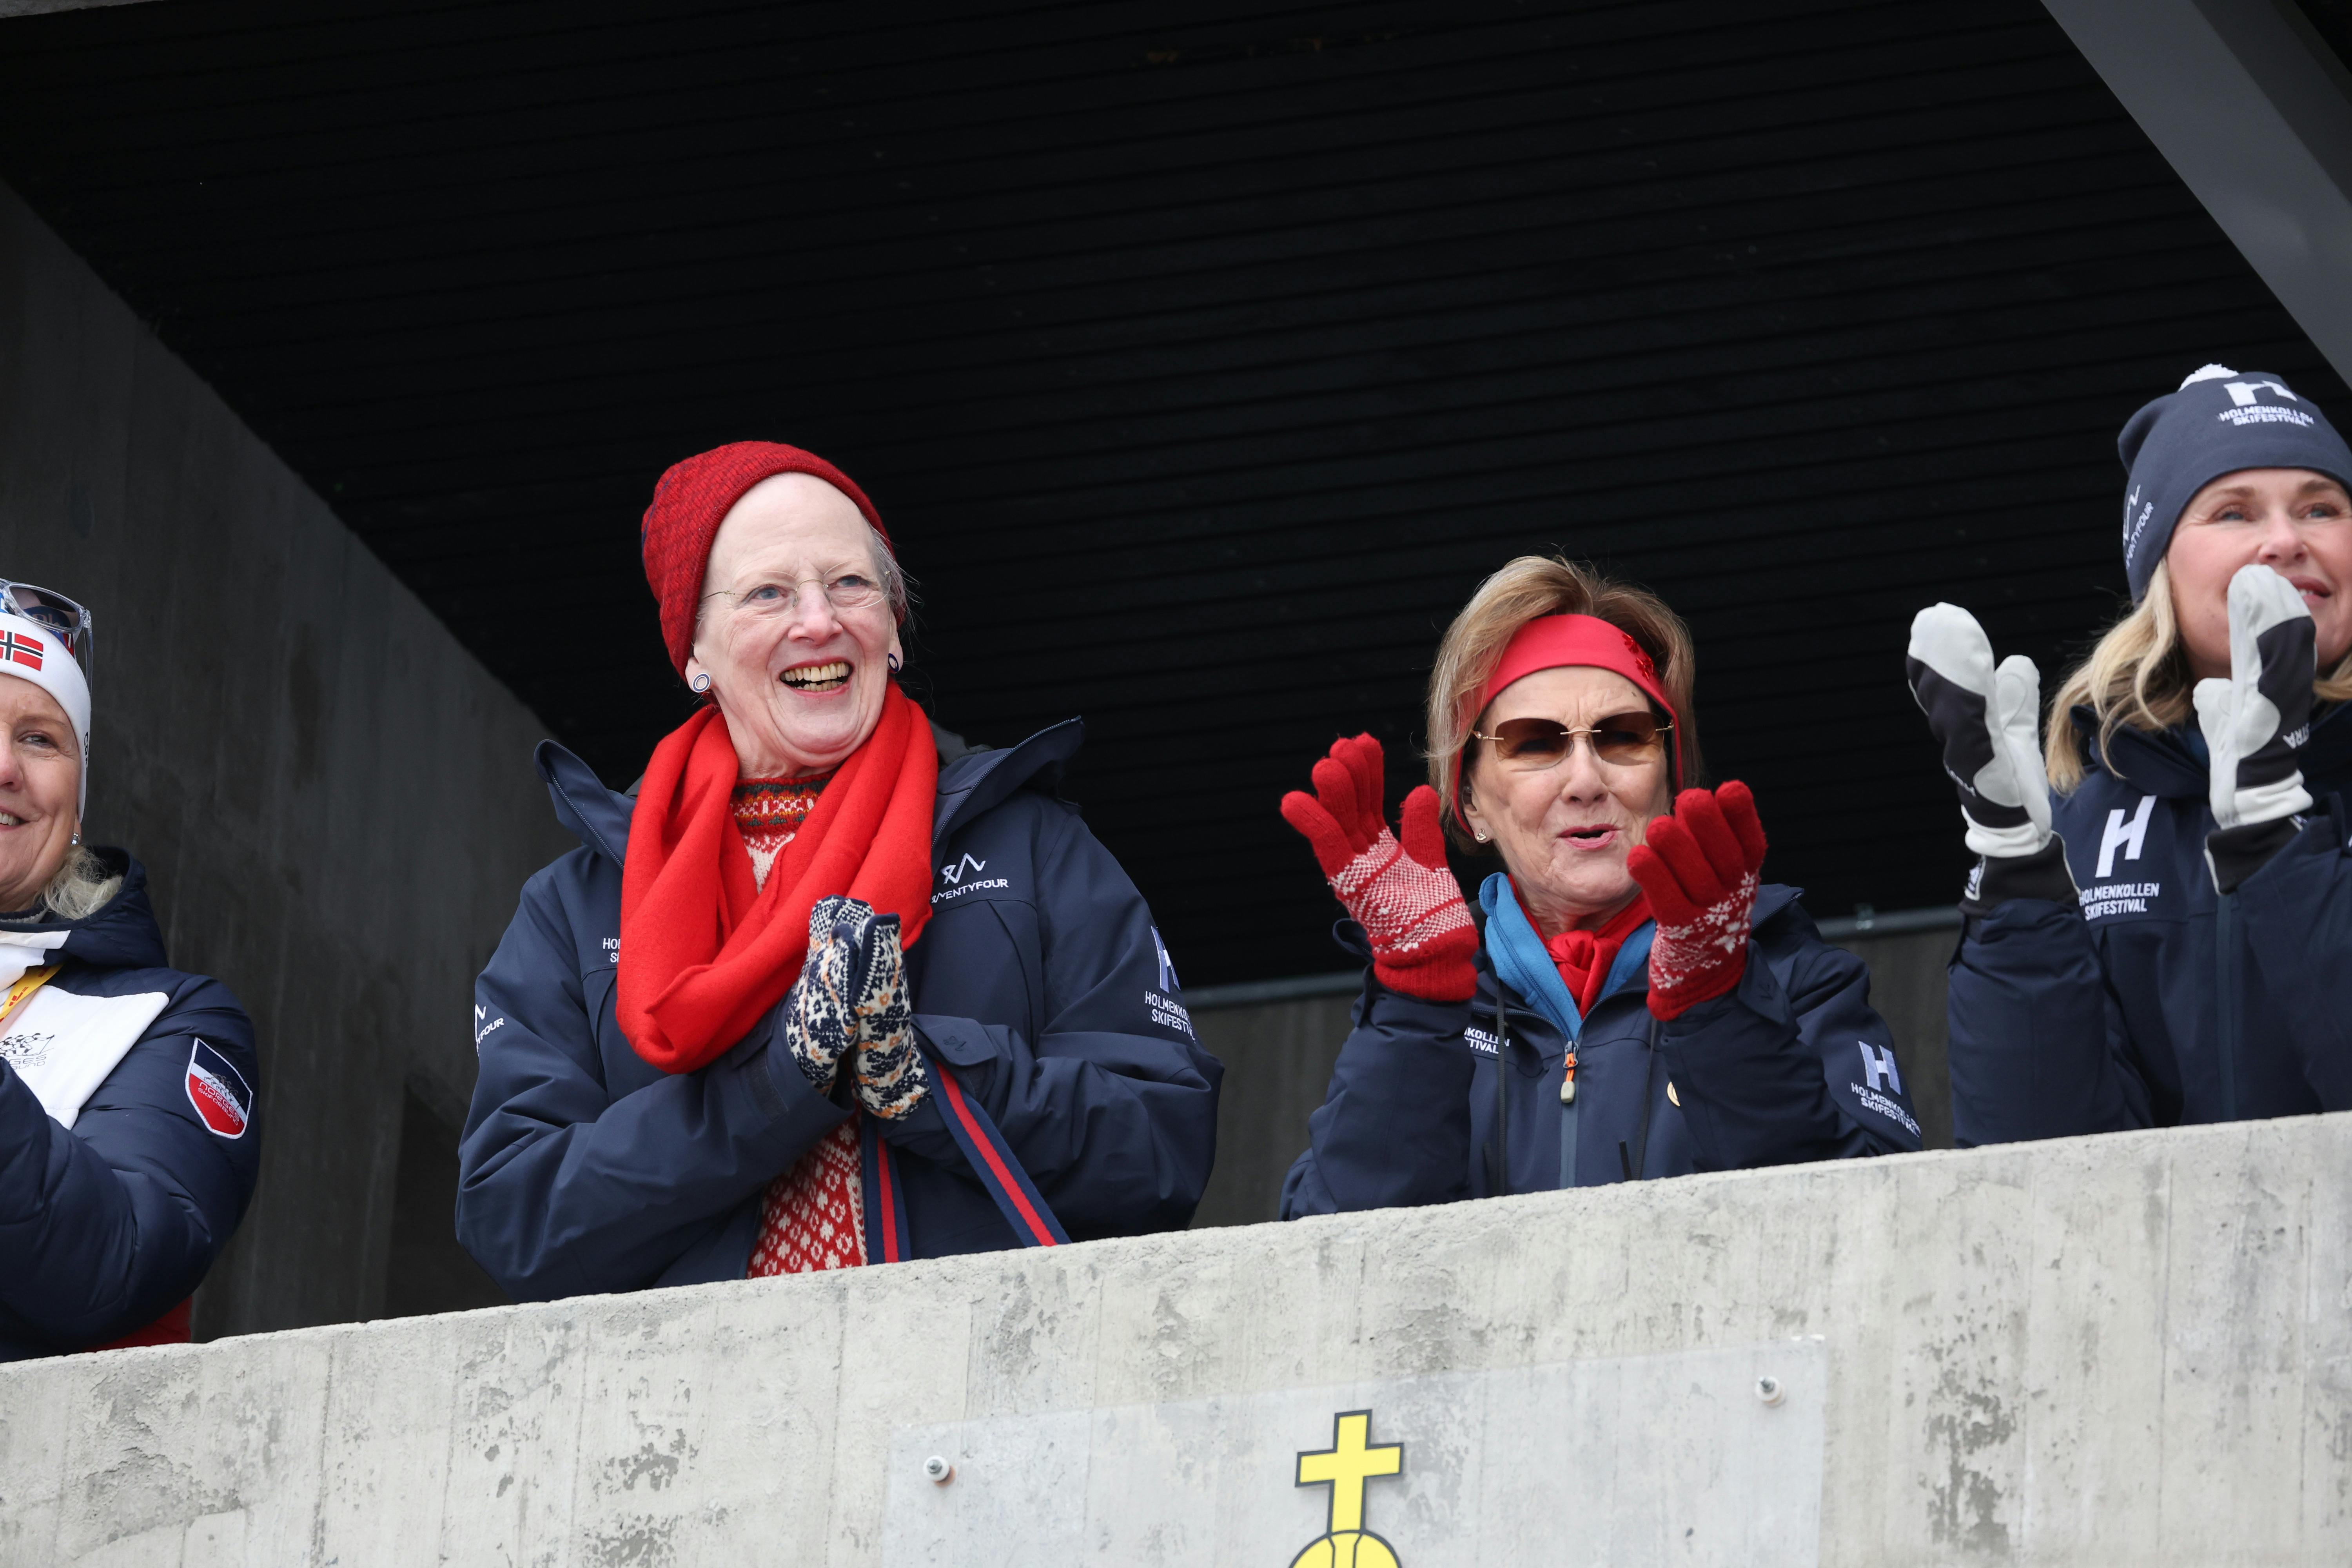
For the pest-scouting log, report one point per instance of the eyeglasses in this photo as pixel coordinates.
(1531, 745)
(850, 590)
(56, 615)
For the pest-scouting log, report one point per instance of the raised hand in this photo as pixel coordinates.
(1401, 894)
(892, 1078)
(1700, 868)
(2258, 719)
(1987, 720)
(818, 1020)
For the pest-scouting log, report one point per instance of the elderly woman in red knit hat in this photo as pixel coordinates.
(815, 998)
(1635, 1002)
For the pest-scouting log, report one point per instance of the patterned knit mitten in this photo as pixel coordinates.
(1401, 894)
(1700, 868)
(892, 1078)
(817, 1020)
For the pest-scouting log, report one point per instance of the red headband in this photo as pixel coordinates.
(1550, 642)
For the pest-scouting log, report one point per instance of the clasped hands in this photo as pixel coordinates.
(850, 1002)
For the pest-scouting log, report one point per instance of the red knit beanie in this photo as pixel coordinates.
(691, 501)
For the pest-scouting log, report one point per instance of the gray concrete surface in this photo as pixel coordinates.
(1278, 1059)
(335, 801)
(2132, 1350)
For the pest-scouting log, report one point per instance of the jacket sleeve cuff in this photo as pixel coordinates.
(2235, 853)
(923, 1132)
(1997, 879)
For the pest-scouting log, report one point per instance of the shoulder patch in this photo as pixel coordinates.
(224, 1101)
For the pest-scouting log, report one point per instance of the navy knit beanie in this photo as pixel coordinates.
(2219, 422)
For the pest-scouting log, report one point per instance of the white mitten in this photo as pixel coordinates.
(1987, 721)
(2256, 720)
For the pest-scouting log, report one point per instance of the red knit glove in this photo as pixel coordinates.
(1402, 895)
(1699, 868)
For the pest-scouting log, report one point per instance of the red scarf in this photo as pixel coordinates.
(1584, 957)
(704, 951)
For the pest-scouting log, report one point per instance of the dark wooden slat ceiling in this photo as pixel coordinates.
(1201, 357)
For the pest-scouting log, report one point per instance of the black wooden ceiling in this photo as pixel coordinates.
(1201, 356)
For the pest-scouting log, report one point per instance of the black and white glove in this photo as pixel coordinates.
(1987, 721)
(2255, 724)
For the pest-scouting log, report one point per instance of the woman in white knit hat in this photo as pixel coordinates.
(128, 1144)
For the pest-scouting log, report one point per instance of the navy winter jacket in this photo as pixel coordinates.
(2150, 1000)
(1040, 979)
(108, 1225)
(1791, 1066)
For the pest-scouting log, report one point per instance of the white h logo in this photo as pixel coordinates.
(2128, 834)
(1878, 1068)
(2241, 393)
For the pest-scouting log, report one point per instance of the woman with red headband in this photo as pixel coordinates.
(822, 994)
(1633, 1001)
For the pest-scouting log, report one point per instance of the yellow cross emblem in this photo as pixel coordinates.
(1344, 1466)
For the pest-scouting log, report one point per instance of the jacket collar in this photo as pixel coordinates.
(120, 934)
(968, 786)
(2159, 762)
(1631, 971)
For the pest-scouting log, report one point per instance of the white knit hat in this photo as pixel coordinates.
(32, 652)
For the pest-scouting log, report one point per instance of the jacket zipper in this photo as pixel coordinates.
(2225, 997)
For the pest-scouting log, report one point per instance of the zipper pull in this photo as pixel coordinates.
(1568, 1080)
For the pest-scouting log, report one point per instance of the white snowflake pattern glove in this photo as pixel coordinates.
(892, 1078)
(1987, 721)
(818, 1020)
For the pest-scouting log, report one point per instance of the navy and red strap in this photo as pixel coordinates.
(992, 1160)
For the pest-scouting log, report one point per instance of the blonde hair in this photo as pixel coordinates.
(2138, 676)
(1527, 589)
(82, 887)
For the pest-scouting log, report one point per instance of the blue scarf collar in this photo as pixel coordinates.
(1523, 963)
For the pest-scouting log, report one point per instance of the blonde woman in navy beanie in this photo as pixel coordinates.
(128, 1143)
(2160, 914)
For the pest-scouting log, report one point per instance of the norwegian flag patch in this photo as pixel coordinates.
(219, 1092)
(22, 649)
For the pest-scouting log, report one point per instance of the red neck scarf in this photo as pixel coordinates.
(704, 951)
(1584, 957)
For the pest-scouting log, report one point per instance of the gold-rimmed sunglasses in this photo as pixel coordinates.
(1622, 740)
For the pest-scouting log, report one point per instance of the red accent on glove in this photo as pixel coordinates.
(1401, 894)
(1699, 868)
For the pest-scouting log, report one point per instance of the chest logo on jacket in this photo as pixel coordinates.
(2124, 837)
(953, 876)
(219, 1092)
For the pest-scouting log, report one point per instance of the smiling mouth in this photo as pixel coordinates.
(9, 820)
(830, 676)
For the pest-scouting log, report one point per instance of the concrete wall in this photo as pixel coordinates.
(1279, 1058)
(2130, 1349)
(335, 801)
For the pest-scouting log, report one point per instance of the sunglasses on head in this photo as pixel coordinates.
(1532, 744)
(56, 614)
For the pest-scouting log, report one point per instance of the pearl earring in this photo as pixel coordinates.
(700, 683)
(1481, 838)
